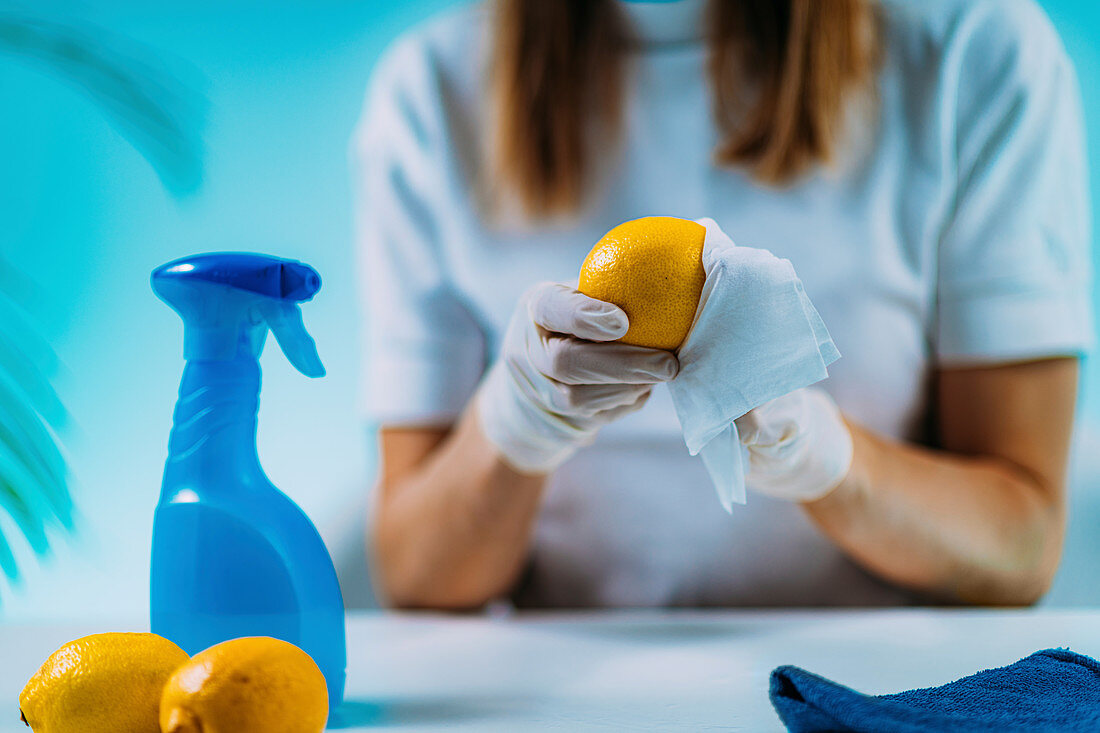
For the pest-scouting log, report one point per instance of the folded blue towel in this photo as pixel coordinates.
(1052, 690)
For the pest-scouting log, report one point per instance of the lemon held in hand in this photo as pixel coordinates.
(104, 683)
(651, 268)
(252, 685)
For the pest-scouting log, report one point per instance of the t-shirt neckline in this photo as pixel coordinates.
(659, 23)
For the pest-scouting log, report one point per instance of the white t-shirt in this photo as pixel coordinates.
(956, 232)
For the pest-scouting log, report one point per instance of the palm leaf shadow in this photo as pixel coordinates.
(161, 118)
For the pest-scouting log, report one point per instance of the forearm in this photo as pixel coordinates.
(972, 529)
(454, 519)
(454, 533)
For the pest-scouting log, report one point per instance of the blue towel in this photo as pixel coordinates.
(1052, 690)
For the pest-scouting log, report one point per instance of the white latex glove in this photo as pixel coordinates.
(797, 446)
(558, 380)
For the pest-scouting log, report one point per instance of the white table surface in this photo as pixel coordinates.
(697, 670)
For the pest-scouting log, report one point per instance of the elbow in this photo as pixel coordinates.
(1017, 589)
(407, 594)
(412, 601)
(1027, 564)
(1037, 552)
(403, 587)
(405, 582)
(1026, 589)
(1031, 594)
(1036, 574)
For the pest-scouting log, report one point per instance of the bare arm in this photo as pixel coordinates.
(981, 520)
(453, 521)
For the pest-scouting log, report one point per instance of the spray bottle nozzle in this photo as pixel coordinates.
(228, 302)
(300, 282)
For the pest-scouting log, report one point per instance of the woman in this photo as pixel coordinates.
(920, 164)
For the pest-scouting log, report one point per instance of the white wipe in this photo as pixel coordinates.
(756, 336)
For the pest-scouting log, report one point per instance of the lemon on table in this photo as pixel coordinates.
(250, 685)
(651, 268)
(103, 683)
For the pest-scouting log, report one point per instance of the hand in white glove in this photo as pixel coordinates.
(797, 446)
(558, 380)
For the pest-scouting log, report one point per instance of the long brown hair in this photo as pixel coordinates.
(782, 75)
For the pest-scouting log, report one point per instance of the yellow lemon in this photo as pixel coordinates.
(651, 268)
(104, 683)
(250, 685)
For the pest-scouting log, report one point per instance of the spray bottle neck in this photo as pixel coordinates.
(213, 441)
(228, 303)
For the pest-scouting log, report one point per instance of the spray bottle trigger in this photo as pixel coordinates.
(285, 321)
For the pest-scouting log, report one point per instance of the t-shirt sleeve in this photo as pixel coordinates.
(1014, 267)
(423, 349)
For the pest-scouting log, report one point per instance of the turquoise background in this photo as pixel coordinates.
(85, 219)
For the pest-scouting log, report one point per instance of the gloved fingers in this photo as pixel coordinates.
(775, 423)
(592, 399)
(767, 436)
(616, 412)
(748, 428)
(561, 309)
(782, 457)
(808, 449)
(571, 361)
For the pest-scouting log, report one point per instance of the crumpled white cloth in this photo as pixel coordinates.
(756, 336)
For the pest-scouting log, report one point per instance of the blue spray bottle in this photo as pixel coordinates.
(232, 555)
